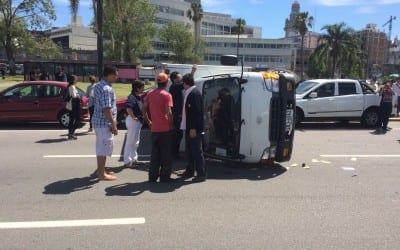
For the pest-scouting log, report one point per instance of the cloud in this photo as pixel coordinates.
(365, 10)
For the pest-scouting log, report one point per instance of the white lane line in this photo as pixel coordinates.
(83, 156)
(40, 130)
(361, 156)
(348, 168)
(72, 223)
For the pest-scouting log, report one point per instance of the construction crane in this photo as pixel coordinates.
(392, 18)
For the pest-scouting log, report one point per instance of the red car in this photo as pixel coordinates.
(37, 101)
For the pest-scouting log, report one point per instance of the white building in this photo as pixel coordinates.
(75, 36)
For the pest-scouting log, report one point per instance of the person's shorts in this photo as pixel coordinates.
(104, 141)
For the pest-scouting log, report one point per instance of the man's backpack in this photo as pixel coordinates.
(66, 96)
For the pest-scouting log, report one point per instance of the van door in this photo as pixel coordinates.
(222, 106)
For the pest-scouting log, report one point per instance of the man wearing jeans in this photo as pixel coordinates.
(104, 121)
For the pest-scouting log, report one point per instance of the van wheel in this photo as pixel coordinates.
(370, 117)
(63, 118)
(299, 116)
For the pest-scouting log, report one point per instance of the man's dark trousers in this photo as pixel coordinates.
(195, 156)
(161, 159)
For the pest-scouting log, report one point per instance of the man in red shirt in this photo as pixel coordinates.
(158, 104)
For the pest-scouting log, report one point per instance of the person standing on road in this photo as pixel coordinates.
(74, 107)
(176, 90)
(104, 120)
(90, 95)
(134, 122)
(396, 89)
(193, 125)
(385, 108)
(61, 76)
(374, 85)
(158, 103)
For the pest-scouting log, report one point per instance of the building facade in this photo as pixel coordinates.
(374, 45)
(74, 36)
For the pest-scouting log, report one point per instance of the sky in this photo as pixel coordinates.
(270, 15)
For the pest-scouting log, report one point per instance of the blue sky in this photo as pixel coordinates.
(271, 14)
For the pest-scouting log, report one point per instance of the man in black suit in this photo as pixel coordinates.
(193, 125)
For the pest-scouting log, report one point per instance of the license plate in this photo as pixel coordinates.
(289, 120)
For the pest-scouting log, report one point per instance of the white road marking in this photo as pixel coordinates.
(83, 156)
(348, 168)
(41, 130)
(361, 156)
(72, 223)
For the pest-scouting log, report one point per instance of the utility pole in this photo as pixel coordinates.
(390, 34)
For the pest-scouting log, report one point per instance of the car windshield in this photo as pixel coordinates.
(303, 87)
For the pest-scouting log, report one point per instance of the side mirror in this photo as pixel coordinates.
(313, 95)
(229, 60)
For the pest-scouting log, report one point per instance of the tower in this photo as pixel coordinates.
(289, 30)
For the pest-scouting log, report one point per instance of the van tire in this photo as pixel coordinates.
(370, 117)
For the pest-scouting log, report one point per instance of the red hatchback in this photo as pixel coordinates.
(37, 101)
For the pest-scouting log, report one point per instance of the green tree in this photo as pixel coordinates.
(32, 14)
(179, 40)
(238, 29)
(338, 45)
(130, 32)
(301, 25)
(195, 13)
(127, 34)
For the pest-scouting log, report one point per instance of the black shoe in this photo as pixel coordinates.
(152, 180)
(168, 180)
(199, 179)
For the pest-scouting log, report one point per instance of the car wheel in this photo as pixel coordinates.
(370, 117)
(299, 116)
(121, 118)
(63, 118)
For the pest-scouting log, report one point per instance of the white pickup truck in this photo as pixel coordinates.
(337, 99)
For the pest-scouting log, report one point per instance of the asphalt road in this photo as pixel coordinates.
(346, 197)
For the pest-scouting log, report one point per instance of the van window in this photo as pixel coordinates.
(326, 90)
(347, 88)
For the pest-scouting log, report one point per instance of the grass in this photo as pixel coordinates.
(120, 89)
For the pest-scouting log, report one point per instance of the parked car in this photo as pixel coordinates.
(37, 101)
(337, 99)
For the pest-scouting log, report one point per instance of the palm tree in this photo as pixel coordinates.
(338, 45)
(301, 25)
(239, 29)
(195, 13)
